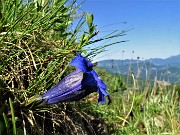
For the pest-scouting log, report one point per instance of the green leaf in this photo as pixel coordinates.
(89, 20)
(31, 100)
(92, 29)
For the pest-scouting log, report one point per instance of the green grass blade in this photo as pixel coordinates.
(6, 123)
(13, 116)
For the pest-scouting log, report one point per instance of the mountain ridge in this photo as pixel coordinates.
(164, 69)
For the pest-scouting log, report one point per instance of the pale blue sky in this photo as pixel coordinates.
(155, 23)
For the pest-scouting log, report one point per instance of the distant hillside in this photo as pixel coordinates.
(171, 61)
(165, 69)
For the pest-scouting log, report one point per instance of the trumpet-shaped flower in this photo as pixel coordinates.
(77, 84)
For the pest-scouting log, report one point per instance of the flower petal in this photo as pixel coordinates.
(81, 63)
(102, 88)
(73, 87)
(67, 85)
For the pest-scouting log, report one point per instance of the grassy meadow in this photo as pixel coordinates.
(150, 108)
(36, 43)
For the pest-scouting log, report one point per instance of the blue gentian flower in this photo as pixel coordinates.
(77, 85)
